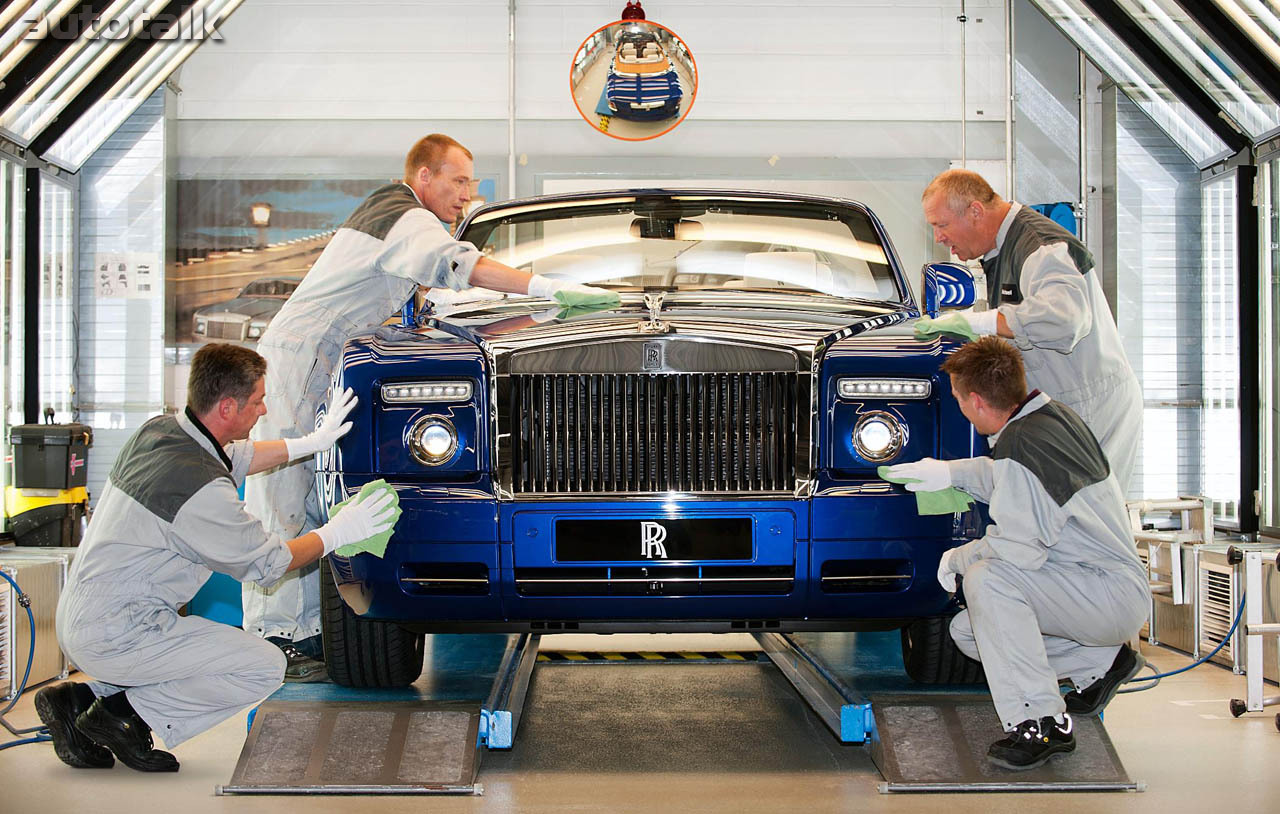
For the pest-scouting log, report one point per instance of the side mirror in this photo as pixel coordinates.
(946, 285)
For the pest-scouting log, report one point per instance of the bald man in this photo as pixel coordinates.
(1044, 296)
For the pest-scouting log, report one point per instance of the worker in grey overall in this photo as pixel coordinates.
(168, 517)
(1043, 294)
(394, 242)
(1054, 587)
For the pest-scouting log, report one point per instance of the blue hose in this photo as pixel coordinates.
(1155, 679)
(42, 731)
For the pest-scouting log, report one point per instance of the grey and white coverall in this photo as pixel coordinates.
(1055, 585)
(388, 247)
(168, 517)
(1042, 279)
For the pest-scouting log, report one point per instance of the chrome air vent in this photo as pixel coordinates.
(656, 580)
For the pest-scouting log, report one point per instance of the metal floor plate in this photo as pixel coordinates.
(389, 747)
(939, 743)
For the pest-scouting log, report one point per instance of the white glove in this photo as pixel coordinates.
(983, 323)
(358, 521)
(546, 287)
(330, 430)
(946, 572)
(932, 475)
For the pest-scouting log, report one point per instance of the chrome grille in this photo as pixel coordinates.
(224, 330)
(683, 432)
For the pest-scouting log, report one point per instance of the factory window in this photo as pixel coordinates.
(11, 303)
(1220, 349)
(57, 298)
(1269, 233)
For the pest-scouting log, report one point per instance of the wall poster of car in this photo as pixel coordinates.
(243, 246)
(633, 80)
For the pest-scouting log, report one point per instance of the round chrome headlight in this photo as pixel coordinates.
(433, 440)
(878, 436)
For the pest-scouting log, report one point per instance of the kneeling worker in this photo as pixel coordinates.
(1054, 588)
(167, 518)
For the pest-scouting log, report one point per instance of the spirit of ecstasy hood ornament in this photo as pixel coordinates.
(654, 325)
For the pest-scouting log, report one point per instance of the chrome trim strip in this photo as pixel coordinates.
(468, 580)
(650, 579)
(867, 578)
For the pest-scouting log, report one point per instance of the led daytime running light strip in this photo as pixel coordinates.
(415, 392)
(885, 388)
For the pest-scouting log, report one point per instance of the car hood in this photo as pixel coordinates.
(243, 306)
(803, 324)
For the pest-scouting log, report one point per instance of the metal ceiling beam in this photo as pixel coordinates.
(1239, 47)
(1170, 73)
(129, 56)
(39, 58)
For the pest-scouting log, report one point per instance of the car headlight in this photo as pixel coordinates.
(878, 436)
(200, 326)
(433, 440)
(255, 330)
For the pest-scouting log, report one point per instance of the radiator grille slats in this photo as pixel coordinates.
(638, 433)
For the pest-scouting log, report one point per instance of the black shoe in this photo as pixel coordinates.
(58, 707)
(1089, 702)
(302, 669)
(128, 738)
(1031, 743)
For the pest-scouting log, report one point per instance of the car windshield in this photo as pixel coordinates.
(269, 288)
(694, 243)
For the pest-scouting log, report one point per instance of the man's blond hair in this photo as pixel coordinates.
(961, 188)
(430, 152)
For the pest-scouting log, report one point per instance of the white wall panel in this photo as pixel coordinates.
(435, 63)
(368, 60)
(121, 341)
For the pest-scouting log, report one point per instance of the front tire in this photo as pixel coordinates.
(931, 656)
(361, 652)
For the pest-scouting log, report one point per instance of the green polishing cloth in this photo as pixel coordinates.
(951, 324)
(575, 303)
(943, 501)
(376, 545)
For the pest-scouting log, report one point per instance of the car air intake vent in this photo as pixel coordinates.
(656, 580)
(865, 576)
(453, 578)
(629, 433)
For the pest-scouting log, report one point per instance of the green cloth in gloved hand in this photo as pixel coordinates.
(951, 324)
(571, 301)
(943, 501)
(376, 545)
(581, 310)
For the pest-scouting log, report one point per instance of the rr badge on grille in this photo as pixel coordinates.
(651, 537)
(652, 356)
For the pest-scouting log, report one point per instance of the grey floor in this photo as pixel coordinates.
(708, 737)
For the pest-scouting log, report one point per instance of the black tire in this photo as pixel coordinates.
(363, 653)
(931, 656)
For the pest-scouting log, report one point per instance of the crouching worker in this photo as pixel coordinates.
(1054, 588)
(168, 517)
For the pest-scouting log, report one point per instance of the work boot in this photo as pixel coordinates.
(58, 707)
(1089, 702)
(128, 737)
(302, 669)
(1033, 742)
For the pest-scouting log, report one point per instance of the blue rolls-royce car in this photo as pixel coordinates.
(700, 458)
(642, 84)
